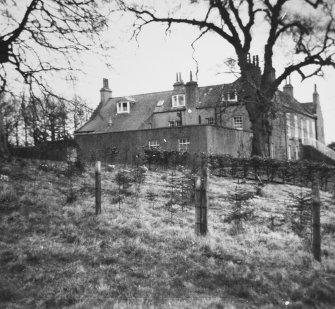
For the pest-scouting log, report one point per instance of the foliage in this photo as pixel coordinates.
(123, 179)
(139, 259)
(242, 207)
(300, 213)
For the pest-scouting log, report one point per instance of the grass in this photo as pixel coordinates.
(55, 253)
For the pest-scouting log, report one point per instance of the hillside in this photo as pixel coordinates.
(142, 252)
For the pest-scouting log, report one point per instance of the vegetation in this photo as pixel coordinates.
(40, 39)
(56, 253)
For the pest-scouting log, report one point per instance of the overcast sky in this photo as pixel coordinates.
(150, 65)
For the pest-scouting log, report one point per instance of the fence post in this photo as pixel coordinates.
(97, 187)
(201, 186)
(316, 240)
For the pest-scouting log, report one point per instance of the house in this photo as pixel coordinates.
(197, 119)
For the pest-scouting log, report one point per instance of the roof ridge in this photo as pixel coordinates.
(165, 91)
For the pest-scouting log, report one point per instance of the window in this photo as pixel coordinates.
(238, 122)
(272, 150)
(307, 128)
(302, 129)
(313, 129)
(288, 124)
(183, 144)
(175, 123)
(153, 143)
(229, 96)
(210, 120)
(296, 126)
(123, 107)
(178, 100)
(199, 118)
(232, 96)
(296, 152)
(289, 151)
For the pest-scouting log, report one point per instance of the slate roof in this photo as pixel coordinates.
(293, 105)
(143, 106)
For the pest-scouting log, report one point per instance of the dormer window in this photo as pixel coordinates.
(230, 96)
(123, 107)
(178, 100)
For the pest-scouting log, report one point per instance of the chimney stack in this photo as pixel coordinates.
(105, 92)
(179, 82)
(288, 88)
(316, 99)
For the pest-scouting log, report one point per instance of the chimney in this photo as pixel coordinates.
(105, 92)
(192, 97)
(191, 88)
(179, 82)
(288, 88)
(316, 99)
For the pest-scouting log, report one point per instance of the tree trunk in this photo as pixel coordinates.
(255, 93)
(261, 136)
(4, 153)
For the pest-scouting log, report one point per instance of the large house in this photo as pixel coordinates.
(196, 119)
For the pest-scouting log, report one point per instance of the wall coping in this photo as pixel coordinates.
(169, 128)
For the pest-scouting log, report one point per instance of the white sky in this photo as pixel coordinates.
(152, 66)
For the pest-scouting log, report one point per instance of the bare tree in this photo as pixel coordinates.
(307, 26)
(41, 37)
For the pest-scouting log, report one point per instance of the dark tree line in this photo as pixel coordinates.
(50, 119)
(43, 38)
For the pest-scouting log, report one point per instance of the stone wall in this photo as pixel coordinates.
(203, 138)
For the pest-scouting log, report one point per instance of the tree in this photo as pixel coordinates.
(307, 26)
(41, 37)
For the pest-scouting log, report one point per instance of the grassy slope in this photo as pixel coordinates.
(59, 255)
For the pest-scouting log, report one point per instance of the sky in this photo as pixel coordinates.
(150, 65)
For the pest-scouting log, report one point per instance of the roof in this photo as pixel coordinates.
(292, 104)
(144, 106)
(141, 108)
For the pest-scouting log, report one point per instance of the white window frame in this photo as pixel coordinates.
(272, 150)
(307, 129)
(226, 96)
(302, 129)
(234, 96)
(183, 144)
(120, 107)
(177, 101)
(289, 152)
(153, 143)
(296, 152)
(288, 124)
(313, 129)
(210, 120)
(296, 133)
(238, 122)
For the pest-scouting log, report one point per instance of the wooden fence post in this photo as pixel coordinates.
(97, 187)
(316, 240)
(201, 186)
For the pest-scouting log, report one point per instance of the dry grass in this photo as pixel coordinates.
(56, 254)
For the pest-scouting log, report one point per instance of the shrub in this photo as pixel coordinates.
(7, 193)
